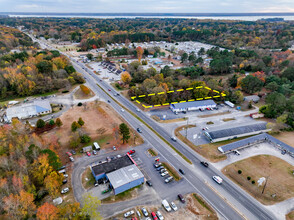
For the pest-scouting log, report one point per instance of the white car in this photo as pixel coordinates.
(164, 174)
(217, 179)
(173, 206)
(166, 205)
(122, 110)
(127, 214)
(159, 215)
(144, 211)
(65, 190)
(138, 110)
(65, 175)
(71, 159)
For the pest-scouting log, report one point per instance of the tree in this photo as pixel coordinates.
(52, 183)
(85, 138)
(90, 206)
(184, 57)
(47, 212)
(126, 77)
(140, 52)
(58, 122)
(289, 73)
(41, 123)
(74, 126)
(89, 56)
(81, 122)
(277, 103)
(236, 97)
(51, 122)
(124, 131)
(233, 81)
(251, 84)
(85, 89)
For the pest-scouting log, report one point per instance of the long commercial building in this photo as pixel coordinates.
(192, 106)
(236, 132)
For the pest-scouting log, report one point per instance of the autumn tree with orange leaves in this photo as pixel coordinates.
(126, 77)
(140, 52)
(47, 212)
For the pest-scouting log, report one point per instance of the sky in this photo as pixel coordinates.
(147, 6)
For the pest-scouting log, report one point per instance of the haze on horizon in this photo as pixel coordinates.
(147, 6)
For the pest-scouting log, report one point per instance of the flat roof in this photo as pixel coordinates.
(261, 137)
(193, 104)
(124, 175)
(237, 130)
(112, 165)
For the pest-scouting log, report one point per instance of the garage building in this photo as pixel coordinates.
(125, 178)
(236, 132)
(192, 106)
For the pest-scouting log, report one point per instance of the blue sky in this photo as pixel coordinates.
(159, 6)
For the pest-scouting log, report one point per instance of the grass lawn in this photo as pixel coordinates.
(90, 182)
(280, 183)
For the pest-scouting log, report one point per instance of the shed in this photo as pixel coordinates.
(191, 106)
(253, 98)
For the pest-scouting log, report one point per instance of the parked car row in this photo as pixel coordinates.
(154, 215)
(163, 172)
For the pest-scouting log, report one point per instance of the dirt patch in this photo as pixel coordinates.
(208, 151)
(79, 94)
(290, 216)
(216, 114)
(280, 179)
(286, 137)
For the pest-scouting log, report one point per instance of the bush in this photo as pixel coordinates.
(40, 123)
(74, 126)
(51, 122)
(248, 178)
(80, 104)
(85, 89)
(239, 171)
(85, 138)
(253, 181)
(81, 122)
(65, 91)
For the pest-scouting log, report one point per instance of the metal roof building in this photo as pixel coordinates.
(236, 132)
(191, 106)
(125, 178)
(256, 140)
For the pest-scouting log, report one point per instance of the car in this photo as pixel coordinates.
(159, 215)
(131, 152)
(144, 211)
(94, 152)
(173, 206)
(206, 128)
(162, 170)
(108, 101)
(164, 174)
(166, 205)
(181, 198)
(64, 181)
(174, 138)
(127, 214)
(237, 152)
(182, 171)
(148, 182)
(109, 90)
(168, 179)
(88, 154)
(154, 216)
(100, 80)
(65, 190)
(217, 179)
(65, 175)
(71, 159)
(157, 165)
(159, 168)
(201, 109)
(203, 129)
(114, 148)
(122, 110)
(118, 156)
(69, 154)
(73, 152)
(138, 110)
(139, 214)
(96, 184)
(117, 94)
(208, 108)
(204, 163)
(283, 152)
(139, 130)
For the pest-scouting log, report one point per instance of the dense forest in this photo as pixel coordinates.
(97, 32)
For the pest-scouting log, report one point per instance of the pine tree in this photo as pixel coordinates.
(125, 132)
(81, 122)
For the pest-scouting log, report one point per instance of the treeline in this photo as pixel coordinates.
(12, 38)
(24, 74)
(227, 34)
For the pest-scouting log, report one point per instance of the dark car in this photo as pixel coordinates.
(182, 171)
(73, 152)
(139, 130)
(64, 181)
(181, 198)
(204, 163)
(148, 182)
(108, 101)
(159, 168)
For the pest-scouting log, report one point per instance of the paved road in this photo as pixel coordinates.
(198, 177)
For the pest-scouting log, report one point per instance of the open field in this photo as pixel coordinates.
(280, 179)
(287, 137)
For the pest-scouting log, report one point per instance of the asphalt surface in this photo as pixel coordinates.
(220, 197)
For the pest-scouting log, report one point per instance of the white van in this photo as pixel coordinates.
(166, 205)
(96, 146)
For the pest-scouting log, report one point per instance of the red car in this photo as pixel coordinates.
(109, 90)
(88, 154)
(69, 154)
(131, 152)
(154, 216)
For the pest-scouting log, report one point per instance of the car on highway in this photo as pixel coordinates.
(168, 179)
(157, 165)
(159, 215)
(144, 211)
(164, 173)
(181, 198)
(217, 179)
(182, 171)
(114, 148)
(174, 138)
(108, 101)
(173, 206)
(154, 216)
(88, 154)
(131, 152)
(138, 110)
(94, 152)
(148, 182)
(65, 190)
(204, 163)
(122, 110)
(127, 214)
(109, 90)
(139, 130)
